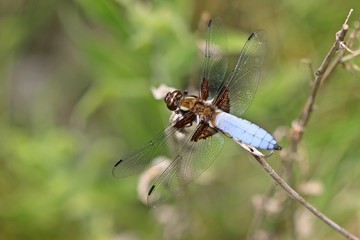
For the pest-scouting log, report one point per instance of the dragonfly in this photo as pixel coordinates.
(202, 121)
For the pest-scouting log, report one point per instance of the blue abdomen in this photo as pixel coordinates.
(244, 131)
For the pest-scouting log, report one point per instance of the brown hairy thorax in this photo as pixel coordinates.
(198, 109)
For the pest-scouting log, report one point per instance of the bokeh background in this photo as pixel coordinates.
(75, 80)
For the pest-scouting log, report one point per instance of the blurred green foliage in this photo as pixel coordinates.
(75, 79)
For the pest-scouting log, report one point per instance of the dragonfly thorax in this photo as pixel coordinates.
(180, 102)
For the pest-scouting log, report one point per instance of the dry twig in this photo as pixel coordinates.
(294, 195)
(290, 154)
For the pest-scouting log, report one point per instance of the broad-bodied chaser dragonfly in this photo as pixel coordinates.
(203, 120)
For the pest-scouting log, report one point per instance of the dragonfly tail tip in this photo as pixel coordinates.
(277, 147)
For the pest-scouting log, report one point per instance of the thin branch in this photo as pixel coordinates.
(351, 56)
(289, 155)
(303, 119)
(339, 58)
(298, 126)
(320, 75)
(297, 197)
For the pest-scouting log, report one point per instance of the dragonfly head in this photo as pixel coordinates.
(173, 99)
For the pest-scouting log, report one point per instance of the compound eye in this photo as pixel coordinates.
(172, 99)
(167, 98)
(178, 95)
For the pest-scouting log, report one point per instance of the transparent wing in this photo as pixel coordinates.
(216, 57)
(142, 158)
(243, 81)
(191, 162)
(167, 143)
